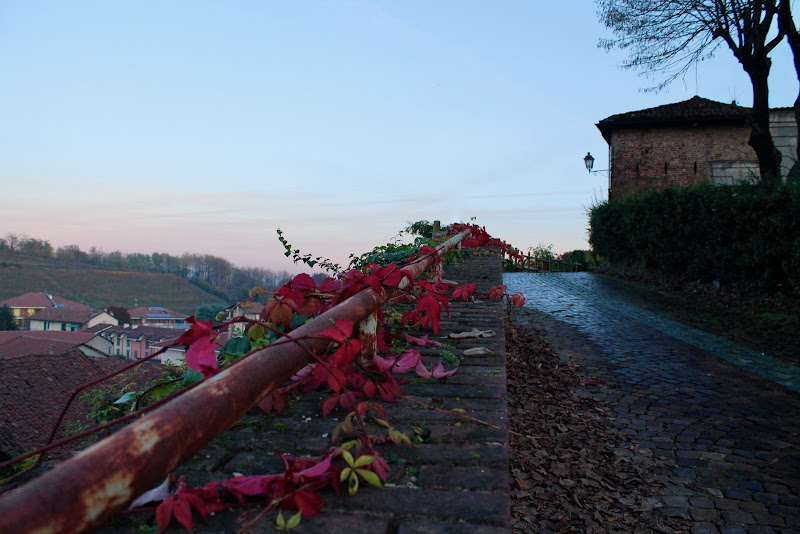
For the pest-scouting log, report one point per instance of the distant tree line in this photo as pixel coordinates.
(211, 273)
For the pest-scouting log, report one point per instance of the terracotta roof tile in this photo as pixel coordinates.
(41, 300)
(156, 311)
(67, 315)
(255, 308)
(20, 343)
(696, 108)
(34, 389)
(152, 333)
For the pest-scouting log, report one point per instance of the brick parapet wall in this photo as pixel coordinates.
(456, 481)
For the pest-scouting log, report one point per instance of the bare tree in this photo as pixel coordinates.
(665, 38)
(13, 241)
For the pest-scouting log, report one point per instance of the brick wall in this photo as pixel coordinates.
(654, 158)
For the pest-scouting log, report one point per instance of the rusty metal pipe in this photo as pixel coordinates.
(86, 490)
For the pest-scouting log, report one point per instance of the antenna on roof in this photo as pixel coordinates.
(733, 102)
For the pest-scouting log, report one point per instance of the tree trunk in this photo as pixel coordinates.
(769, 158)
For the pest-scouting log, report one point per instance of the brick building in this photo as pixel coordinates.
(689, 142)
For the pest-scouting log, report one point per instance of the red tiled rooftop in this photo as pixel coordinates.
(33, 391)
(149, 332)
(67, 315)
(156, 311)
(24, 342)
(255, 307)
(41, 300)
(696, 108)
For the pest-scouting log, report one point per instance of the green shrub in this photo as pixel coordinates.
(585, 257)
(747, 235)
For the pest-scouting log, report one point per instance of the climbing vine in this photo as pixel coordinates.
(350, 384)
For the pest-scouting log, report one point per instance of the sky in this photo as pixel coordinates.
(191, 126)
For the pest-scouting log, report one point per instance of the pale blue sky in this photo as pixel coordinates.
(204, 126)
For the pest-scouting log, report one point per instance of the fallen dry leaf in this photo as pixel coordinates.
(477, 351)
(580, 472)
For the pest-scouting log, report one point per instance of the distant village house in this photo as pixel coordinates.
(24, 306)
(21, 343)
(248, 310)
(69, 319)
(134, 342)
(157, 316)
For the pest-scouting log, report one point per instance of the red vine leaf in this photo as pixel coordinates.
(384, 364)
(274, 401)
(180, 504)
(307, 502)
(497, 292)
(279, 310)
(303, 282)
(407, 361)
(464, 292)
(517, 299)
(421, 341)
(438, 371)
(342, 330)
(252, 485)
(200, 354)
(431, 311)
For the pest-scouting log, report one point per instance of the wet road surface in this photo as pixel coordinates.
(728, 416)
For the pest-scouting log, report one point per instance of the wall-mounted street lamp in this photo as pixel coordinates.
(588, 160)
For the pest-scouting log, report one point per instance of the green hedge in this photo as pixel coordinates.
(746, 235)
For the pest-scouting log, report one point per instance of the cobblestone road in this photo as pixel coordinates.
(728, 417)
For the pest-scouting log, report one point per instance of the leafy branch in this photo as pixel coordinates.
(319, 261)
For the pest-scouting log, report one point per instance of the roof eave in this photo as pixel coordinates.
(607, 126)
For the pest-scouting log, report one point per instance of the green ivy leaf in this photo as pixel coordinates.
(298, 320)
(352, 484)
(128, 397)
(162, 391)
(256, 332)
(294, 520)
(191, 377)
(279, 522)
(346, 472)
(370, 477)
(237, 345)
(361, 461)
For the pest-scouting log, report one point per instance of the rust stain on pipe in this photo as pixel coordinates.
(86, 490)
(368, 335)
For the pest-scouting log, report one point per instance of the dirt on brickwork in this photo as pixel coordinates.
(572, 469)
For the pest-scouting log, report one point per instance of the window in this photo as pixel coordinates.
(733, 172)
